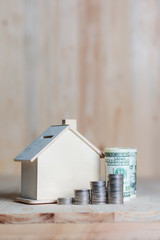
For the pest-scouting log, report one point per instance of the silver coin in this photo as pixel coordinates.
(82, 203)
(99, 203)
(115, 175)
(98, 182)
(64, 201)
(114, 191)
(116, 202)
(117, 181)
(81, 191)
(113, 185)
(98, 191)
(115, 195)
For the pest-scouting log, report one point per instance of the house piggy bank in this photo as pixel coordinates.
(57, 162)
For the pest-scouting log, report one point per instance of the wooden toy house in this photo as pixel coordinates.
(57, 162)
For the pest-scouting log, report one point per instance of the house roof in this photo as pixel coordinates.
(31, 152)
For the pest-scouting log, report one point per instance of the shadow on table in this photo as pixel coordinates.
(9, 196)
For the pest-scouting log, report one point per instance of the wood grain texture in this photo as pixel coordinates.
(145, 67)
(143, 209)
(85, 231)
(101, 231)
(95, 60)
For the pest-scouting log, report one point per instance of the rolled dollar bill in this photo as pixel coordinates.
(117, 161)
(133, 171)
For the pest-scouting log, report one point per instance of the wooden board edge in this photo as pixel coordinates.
(76, 217)
(34, 202)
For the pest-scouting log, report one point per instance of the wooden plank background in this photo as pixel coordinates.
(94, 60)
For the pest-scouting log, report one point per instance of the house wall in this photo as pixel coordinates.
(29, 180)
(67, 164)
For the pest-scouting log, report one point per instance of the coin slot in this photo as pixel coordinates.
(47, 136)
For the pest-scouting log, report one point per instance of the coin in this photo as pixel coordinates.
(65, 201)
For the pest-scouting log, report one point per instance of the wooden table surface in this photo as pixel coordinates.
(137, 219)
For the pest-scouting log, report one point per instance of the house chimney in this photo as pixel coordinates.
(70, 122)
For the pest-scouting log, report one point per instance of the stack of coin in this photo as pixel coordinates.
(98, 192)
(82, 196)
(117, 161)
(107, 190)
(115, 189)
(65, 201)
